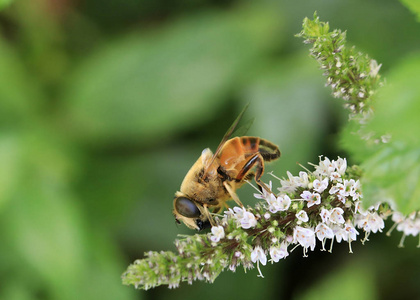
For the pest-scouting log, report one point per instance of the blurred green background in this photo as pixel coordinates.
(106, 104)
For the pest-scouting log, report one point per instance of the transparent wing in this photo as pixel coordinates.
(233, 130)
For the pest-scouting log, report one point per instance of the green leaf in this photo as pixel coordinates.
(398, 105)
(20, 96)
(151, 84)
(393, 173)
(5, 3)
(10, 158)
(414, 6)
(392, 169)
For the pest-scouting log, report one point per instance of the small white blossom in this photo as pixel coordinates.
(354, 189)
(336, 216)
(351, 231)
(374, 68)
(280, 203)
(264, 194)
(293, 182)
(284, 202)
(218, 233)
(323, 232)
(339, 233)
(306, 195)
(335, 176)
(258, 255)
(248, 220)
(311, 198)
(397, 217)
(409, 227)
(325, 168)
(325, 215)
(340, 165)
(278, 253)
(305, 237)
(302, 216)
(371, 222)
(245, 218)
(319, 185)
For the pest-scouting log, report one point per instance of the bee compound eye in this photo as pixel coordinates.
(187, 208)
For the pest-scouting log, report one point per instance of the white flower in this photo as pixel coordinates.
(336, 216)
(264, 194)
(374, 68)
(335, 188)
(397, 217)
(325, 168)
(272, 203)
(339, 233)
(239, 212)
(306, 195)
(325, 215)
(305, 237)
(371, 222)
(319, 185)
(335, 176)
(302, 216)
(351, 231)
(258, 255)
(248, 220)
(218, 233)
(280, 203)
(303, 179)
(354, 189)
(283, 202)
(311, 198)
(323, 232)
(278, 253)
(409, 226)
(340, 165)
(245, 218)
(294, 182)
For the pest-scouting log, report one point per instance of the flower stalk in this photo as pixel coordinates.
(352, 75)
(308, 210)
(267, 232)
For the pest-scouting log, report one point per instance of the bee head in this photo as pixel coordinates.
(189, 212)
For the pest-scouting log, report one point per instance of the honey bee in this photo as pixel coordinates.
(214, 178)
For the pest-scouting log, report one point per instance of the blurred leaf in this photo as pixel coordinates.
(392, 170)
(353, 281)
(414, 6)
(398, 104)
(4, 3)
(393, 173)
(151, 84)
(43, 223)
(10, 156)
(19, 94)
(43, 227)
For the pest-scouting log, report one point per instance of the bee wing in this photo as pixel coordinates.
(240, 131)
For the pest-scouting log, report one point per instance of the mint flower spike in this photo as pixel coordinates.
(352, 75)
(274, 227)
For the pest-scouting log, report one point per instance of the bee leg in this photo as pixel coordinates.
(257, 161)
(232, 193)
(217, 209)
(208, 216)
